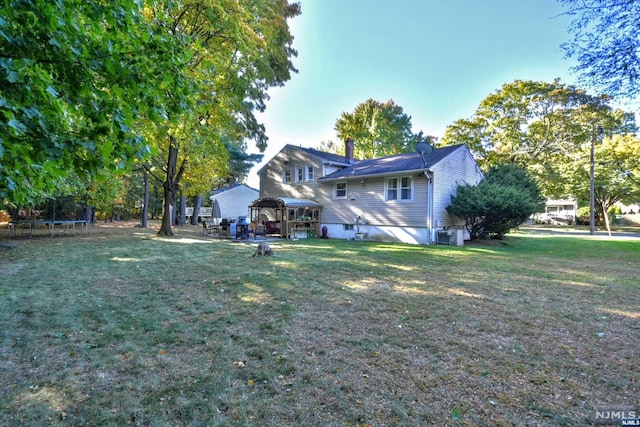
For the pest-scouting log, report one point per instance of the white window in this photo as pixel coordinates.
(286, 177)
(399, 189)
(340, 190)
(406, 184)
(392, 189)
(299, 174)
(309, 173)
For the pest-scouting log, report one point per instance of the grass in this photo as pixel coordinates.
(126, 328)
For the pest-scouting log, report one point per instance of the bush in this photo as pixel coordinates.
(503, 201)
(582, 215)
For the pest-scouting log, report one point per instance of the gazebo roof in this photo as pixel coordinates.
(290, 202)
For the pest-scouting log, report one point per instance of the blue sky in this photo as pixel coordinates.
(437, 59)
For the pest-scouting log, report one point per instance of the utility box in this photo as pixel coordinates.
(450, 237)
(445, 237)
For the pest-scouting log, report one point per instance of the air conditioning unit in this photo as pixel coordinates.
(446, 237)
(450, 237)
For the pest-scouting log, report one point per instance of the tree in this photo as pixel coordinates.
(378, 129)
(543, 127)
(238, 50)
(617, 173)
(76, 76)
(502, 201)
(606, 44)
(240, 163)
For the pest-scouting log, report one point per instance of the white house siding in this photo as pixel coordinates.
(458, 168)
(407, 222)
(271, 175)
(381, 220)
(235, 201)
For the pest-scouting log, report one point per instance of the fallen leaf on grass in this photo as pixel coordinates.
(456, 414)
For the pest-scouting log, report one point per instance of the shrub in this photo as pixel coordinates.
(503, 201)
(582, 215)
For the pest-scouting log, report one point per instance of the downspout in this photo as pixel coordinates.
(429, 174)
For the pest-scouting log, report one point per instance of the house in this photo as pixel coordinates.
(401, 198)
(234, 200)
(563, 212)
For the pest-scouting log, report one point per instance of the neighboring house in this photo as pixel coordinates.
(400, 198)
(234, 200)
(558, 212)
(628, 209)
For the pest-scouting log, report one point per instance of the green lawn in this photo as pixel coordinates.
(133, 329)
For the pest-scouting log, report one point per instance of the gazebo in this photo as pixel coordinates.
(286, 217)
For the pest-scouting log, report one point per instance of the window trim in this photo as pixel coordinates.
(286, 176)
(309, 173)
(299, 175)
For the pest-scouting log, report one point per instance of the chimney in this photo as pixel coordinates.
(348, 150)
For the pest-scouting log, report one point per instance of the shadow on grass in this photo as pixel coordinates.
(136, 329)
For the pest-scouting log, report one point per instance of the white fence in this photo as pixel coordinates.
(204, 212)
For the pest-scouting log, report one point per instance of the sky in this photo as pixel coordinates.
(437, 59)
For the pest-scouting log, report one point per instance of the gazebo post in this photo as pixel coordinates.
(285, 219)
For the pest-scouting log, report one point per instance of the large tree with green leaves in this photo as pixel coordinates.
(547, 128)
(76, 78)
(606, 44)
(378, 129)
(617, 172)
(238, 51)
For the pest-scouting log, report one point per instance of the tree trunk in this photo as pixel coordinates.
(197, 203)
(171, 186)
(182, 219)
(167, 215)
(605, 214)
(169, 192)
(145, 206)
(87, 214)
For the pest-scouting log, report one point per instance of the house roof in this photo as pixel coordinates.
(324, 156)
(329, 157)
(406, 162)
(231, 187)
(291, 202)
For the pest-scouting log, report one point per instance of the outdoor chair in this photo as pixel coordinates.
(224, 229)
